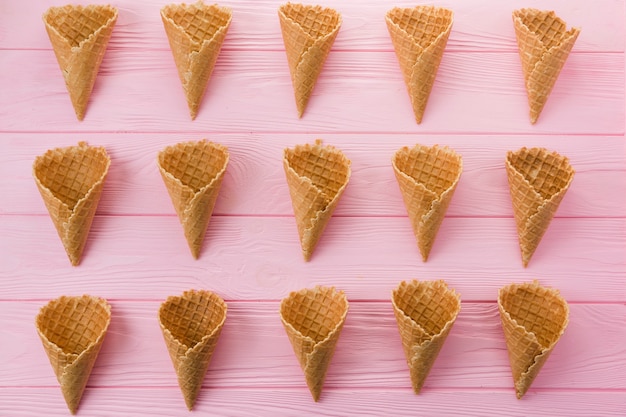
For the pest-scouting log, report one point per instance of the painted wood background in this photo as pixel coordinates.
(136, 254)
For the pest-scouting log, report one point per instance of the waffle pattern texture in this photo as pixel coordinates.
(427, 177)
(191, 326)
(196, 33)
(538, 181)
(313, 319)
(79, 37)
(419, 36)
(193, 174)
(533, 319)
(72, 330)
(425, 312)
(70, 181)
(317, 175)
(544, 44)
(308, 34)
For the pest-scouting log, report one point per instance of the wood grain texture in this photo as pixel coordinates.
(358, 91)
(260, 258)
(255, 184)
(136, 254)
(336, 403)
(254, 352)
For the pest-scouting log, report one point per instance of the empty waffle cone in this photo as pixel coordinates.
(70, 181)
(538, 181)
(544, 44)
(193, 173)
(72, 330)
(195, 33)
(313, 319)
(427, 177)
(79, 37)
(425, 312)
(308, 34)
(419, 36)
(533, 319)
(191, 325)
(317, 176)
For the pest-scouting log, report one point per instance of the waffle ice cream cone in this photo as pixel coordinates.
(193, 173)
(317, 176)
(538, 181)
(425, 312)
(70, 181)
(79, 37)
(544, 44)
(419, 36)
(427, 177)
(313, 319)
(72, 330)
(533, 319)
(195, 33)
(308, 34)
(191, 325)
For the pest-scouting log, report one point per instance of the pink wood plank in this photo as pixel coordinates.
(358, 91)
(255, 183)
(478, 24)
(134, 402)
(254, 352)
(259, 257)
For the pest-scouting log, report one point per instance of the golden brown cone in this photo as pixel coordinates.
(70, 181)
(538, 181)
(79, 37)
(427, 177)
(195, 33)
(191, 325)
(425, 312)
(313, 319)
(533, 319)
(419, 36)
(544, 45)
(308, 34)
(193, 174)
(317, 176)
(72, 330)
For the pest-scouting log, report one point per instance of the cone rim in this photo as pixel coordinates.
(535, 285)
(112, 19)
(214, 147)
(441, 286)
(431, 8)
(429, 149)
(214, 298)
(99, 301)
(567, 33)
(200, 5)
(330, 292)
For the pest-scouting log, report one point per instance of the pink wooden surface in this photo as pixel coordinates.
(136, 254)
